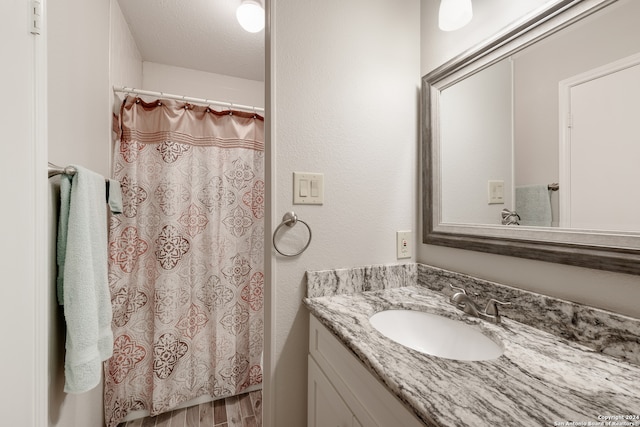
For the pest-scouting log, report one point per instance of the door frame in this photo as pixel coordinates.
(41, 226)
(564, 95)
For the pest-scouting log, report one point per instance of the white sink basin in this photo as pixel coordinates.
(435, 335)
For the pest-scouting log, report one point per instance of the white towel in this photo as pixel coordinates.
(82, 279)
(533, 204)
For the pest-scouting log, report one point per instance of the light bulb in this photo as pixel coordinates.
(454, 14)
(250, 15)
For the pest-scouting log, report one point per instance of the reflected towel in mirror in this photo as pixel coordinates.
(533, 204)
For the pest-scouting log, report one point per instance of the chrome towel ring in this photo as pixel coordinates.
(290, 219)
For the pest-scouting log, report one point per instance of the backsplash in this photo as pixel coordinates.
(360, 279)
(603, 331)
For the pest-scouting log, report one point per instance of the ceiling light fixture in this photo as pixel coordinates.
(454, 14)
(250, 15)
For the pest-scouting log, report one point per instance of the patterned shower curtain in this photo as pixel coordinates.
(186, 256)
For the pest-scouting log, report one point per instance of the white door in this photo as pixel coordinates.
(601, 188)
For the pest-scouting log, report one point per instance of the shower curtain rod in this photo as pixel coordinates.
(189, 99)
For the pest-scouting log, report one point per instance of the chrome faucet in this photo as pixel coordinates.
(463, 302)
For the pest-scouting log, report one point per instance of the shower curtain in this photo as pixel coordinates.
(185, 257)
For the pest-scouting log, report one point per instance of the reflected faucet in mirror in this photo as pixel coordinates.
(510, 217)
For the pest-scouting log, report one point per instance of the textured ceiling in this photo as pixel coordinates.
(198, 34)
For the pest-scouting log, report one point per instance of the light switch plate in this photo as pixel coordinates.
(496, 192)
(308, 188)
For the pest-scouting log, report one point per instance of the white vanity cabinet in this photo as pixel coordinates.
(343, 393)
(326, 407)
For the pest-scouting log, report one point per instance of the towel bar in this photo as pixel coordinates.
(57, 170)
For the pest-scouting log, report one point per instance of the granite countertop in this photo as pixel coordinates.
(540, 380)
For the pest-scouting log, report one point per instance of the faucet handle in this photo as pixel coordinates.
(457, 289)
(492, 307)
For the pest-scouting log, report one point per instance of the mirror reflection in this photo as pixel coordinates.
(547, 136)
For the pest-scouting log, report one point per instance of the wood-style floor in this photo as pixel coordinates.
(244, 410)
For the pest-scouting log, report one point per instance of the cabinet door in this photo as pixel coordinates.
(326, 407)
(370, 402)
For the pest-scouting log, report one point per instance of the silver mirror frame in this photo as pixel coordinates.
(601, 250)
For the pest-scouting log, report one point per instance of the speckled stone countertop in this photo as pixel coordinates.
(542, 378)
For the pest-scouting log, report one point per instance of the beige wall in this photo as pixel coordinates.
(612, 291)
(346, 96)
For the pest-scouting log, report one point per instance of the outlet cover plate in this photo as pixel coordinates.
(403, 244)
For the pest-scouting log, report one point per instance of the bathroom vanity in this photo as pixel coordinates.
(341, 392)
(577, 365)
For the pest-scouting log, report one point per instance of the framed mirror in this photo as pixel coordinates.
(530, 145)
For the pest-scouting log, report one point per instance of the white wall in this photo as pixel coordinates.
(345, 86)
(81, 70)
(200, 84)
(476, 145)
(125, 61)
(78, 67)
(489, 16)
(613, 291)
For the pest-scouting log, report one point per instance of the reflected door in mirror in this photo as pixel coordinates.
(603, 165)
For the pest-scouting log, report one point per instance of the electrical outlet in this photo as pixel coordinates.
(403, 244)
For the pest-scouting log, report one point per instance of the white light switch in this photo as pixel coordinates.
(315, 188)
(304, 188)
(308, 188)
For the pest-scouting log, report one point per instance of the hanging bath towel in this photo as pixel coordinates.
(83, 287)
(533, 204)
